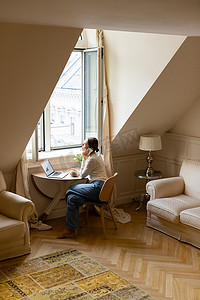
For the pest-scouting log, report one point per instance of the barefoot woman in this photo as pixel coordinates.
(77, 195)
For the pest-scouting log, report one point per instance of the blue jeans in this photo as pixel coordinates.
(76, 196)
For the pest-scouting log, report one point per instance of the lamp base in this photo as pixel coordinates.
(149, 170)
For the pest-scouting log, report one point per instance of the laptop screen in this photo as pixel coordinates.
(47, 167)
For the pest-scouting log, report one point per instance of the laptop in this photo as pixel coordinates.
(49, 170)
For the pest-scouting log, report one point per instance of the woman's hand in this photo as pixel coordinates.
(74, 173)
(85, 150)
(85, 157)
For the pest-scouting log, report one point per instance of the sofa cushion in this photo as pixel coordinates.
(170, 208)
(10, 229)
(190, 171)
(191, 217)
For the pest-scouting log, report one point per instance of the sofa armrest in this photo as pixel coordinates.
(165, 187)
(15, 206)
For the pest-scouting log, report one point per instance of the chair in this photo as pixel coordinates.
(105, 196)
(14, 227)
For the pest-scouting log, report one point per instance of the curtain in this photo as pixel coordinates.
(119, 214)
(20, 186)
(21, 180)
(106, 141)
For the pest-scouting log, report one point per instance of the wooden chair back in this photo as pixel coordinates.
(107, 188)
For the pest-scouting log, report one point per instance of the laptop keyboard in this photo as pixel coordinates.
(56, 173)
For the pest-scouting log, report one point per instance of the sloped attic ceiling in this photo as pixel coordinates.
(155, 16)
(167, 100)
(32, 59)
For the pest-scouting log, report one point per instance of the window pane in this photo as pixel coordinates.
(66, 105)
(90, 94)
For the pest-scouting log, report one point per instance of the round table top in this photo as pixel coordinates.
(68, 177)
(142, 174)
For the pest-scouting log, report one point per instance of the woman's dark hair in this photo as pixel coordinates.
(93, 143)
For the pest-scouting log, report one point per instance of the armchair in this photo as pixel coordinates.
(174, 206)
(14, 227)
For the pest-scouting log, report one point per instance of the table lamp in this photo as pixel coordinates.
(150, 143)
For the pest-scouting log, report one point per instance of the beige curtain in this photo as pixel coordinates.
(20, 183)
(20, 186)
(106, 142)
(21, 180)
(119, 214)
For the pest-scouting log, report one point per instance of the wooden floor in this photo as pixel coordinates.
(156, 263)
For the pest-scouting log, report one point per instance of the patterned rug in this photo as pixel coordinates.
(67, 274)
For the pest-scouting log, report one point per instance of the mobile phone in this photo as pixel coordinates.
(89, 151)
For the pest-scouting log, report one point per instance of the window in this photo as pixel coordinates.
(73, 112)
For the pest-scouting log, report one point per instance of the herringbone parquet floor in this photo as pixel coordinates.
(156, 263)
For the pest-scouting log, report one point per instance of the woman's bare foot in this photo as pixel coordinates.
(67, 233)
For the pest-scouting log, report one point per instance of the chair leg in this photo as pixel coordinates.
(103, 221)
(113, 218)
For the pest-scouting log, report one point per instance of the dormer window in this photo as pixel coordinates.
(73, 112)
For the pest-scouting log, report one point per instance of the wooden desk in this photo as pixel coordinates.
(54, 188)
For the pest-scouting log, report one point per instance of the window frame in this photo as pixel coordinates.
(45, 120)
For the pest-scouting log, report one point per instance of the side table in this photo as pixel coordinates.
(141, 174)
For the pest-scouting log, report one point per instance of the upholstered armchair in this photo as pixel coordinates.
(174, 206)
(14, 227)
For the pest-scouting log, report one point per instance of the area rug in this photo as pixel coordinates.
(65, 275)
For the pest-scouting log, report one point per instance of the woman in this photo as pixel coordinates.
(77, 195)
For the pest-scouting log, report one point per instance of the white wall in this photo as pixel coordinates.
(89, 39)
(189, 123)
(170, 97)
(133, 62)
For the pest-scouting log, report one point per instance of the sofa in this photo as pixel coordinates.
(174, 205)
(14, 227)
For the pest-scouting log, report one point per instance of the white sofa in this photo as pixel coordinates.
(174, 206)
(14, 227)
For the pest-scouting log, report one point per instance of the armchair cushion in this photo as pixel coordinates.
(10, 230)
(171, 207)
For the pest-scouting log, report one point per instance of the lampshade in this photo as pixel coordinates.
(150, 143)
